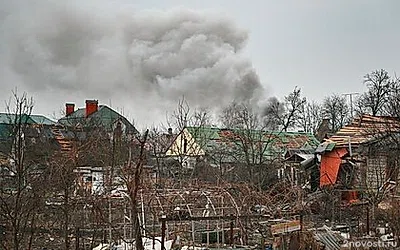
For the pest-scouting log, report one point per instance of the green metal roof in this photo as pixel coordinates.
(210, 133)
(273, 142)
(105, 117)
(40, 119)
(293, 139)
(6, 118)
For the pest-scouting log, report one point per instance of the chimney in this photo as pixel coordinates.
(323, 130)
(169, 131)
(69, 108)
(91, 107)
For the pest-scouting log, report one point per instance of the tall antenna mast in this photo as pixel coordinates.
(350, 95)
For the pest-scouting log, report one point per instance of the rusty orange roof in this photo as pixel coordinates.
(364, 129)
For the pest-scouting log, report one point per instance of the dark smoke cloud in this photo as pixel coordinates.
(139, 59)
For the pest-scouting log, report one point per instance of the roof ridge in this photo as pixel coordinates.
(252, 129)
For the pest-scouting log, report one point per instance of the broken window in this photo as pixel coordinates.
(346, 175)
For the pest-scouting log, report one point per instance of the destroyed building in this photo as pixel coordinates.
(354, 174)
(359, 158)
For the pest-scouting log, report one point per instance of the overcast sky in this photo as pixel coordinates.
(323, 47)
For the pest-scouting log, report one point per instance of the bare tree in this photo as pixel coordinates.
(310, 117)
(335, 109)
(240, 116)
(286, 114)
(379, 85)
(248, 143)
(133, 177)
(22, 179)
(184, 116)
(80, 201)
(392, 105)
(62, 181)
(193, 131)
(158, 142)
(272, 113)
(81, 149)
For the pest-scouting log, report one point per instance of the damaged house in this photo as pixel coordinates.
(362, 159)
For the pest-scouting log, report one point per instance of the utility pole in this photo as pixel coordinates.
(350, 95)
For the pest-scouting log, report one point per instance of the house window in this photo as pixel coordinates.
(185, 146)
(346, 175)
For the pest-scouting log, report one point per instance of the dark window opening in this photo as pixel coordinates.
(184, 145)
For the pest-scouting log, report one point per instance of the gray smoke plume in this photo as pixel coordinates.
(139, 59)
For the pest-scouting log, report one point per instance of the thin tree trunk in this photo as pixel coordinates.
(15, 235)
(77, 238)
(136, 226)
(32, 233)
(133, 190)
(66, 219)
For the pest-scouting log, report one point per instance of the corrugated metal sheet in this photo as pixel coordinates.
(271, 143)
(6, 118)
(364, 129)
(330, 239)
(330, 164)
